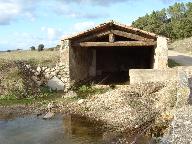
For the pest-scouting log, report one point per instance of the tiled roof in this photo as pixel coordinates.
(108, 23)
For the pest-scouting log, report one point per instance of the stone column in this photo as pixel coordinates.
(64, 60)
(161, 54)
(92, 69)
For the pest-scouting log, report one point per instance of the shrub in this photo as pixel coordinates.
(40, 47)
(32, 48)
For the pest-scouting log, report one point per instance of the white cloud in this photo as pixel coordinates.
(51, 33)
(83, 25)
(106, 3)
(11, 10)
(24, 40)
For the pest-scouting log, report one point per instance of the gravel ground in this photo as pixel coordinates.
(181, 127)
(127, 107)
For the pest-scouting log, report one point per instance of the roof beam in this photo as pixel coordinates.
(130, 35)
(114, 44)
(93, 36)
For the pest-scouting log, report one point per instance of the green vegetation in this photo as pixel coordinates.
(172, 63)
(85, 91)
(15, 86)
(32, 48)
(174, 22)
(41, 47)
(44, 100)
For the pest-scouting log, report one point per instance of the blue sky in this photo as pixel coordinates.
(26, 23)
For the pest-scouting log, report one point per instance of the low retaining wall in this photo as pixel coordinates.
(42, 75)
(151, 75)
(155, 75)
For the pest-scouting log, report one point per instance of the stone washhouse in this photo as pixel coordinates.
(107, 53)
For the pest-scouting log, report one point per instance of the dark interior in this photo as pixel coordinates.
(113, 63)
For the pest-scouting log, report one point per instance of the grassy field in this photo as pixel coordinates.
(47, 58)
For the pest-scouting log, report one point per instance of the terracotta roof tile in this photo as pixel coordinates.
(107, 23)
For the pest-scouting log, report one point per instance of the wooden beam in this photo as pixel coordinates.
(93, 36)
(130, 35)
(115, 44)
(111, 37)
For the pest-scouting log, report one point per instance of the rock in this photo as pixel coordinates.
(56, 71)
(47, 76)
(53, 73)
(28, 66)
(80, 101)
(44, 68)
(34, 78)
(64, 80)
(39, 69)
(47, 70)
(55, 84)
(49, 115)
(60, 64)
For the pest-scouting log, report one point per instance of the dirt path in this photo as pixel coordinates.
(181, 58)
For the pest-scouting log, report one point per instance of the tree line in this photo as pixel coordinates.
(174, 22)
(40, 47)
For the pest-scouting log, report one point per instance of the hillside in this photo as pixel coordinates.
(183, 46)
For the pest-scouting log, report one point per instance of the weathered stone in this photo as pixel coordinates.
(28, 66)
(80, 101)
(49, 115)
(53, 73)
(47, 76)
(161, 54)
(44, 68)
(47, 70)
(39, 69)
(55, 84)
(34, 78)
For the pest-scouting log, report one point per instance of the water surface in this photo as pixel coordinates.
(60, 130)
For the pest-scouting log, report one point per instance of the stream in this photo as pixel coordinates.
(59, 130)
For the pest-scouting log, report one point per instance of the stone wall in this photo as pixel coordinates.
(81, 64)
(65, 61)
(154, 75)
(42, 75)
(151, 75)
(161, 54)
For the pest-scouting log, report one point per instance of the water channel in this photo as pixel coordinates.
(59, 130)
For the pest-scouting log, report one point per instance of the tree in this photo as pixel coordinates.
(174, 22)
(40, 47)
(32, 48)
(155, 22)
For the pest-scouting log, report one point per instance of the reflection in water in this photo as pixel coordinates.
(60, 130)
(32, 130)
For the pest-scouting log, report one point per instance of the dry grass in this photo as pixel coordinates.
(35, 57)
(184, 46)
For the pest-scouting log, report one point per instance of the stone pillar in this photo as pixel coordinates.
(64, 60)
(92, 69)
(161, 54)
